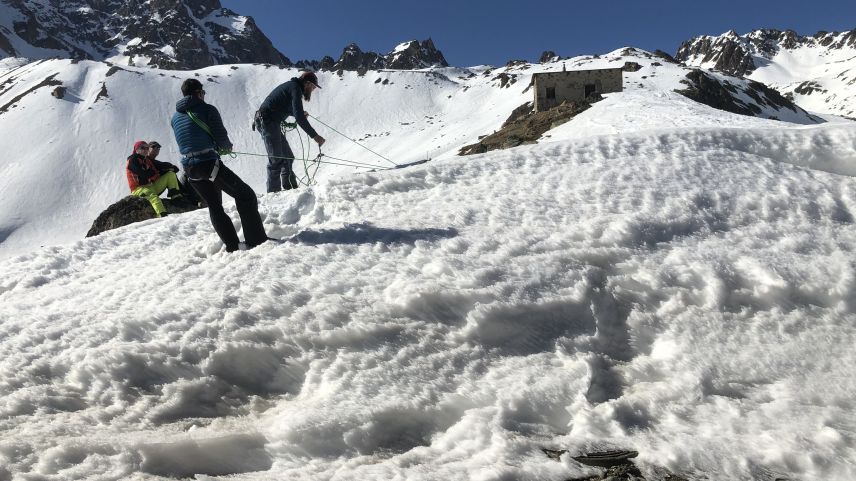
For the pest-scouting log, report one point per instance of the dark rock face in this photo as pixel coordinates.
(665, 56)
(354, 59)
(132, 209)
(727, 51)
(407, 56)
(415, 54)
(6, 46)
(174, 34)
(548, 56)
(809, 87)
(735, 54)
(325, 63)
(708, 90)
(519, 113)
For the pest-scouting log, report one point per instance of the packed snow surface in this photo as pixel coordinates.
(681, 283)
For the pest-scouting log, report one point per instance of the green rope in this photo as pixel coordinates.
(202, 125)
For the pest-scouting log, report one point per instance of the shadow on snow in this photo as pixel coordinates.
(365, 233)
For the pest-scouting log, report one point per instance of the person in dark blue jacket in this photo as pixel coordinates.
(201, 136)
(284, 101)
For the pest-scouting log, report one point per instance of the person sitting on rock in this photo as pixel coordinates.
(146, 181)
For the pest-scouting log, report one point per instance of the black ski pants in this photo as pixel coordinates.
(245, 200)
(280, 172)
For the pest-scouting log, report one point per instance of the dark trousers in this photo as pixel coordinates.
(245, 200)
(280, 174)
(186, 190)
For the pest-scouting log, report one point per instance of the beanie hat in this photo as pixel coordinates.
(137, 145)
(310, 77)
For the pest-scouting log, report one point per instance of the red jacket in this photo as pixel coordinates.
(141, 171)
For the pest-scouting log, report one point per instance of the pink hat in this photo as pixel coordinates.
(137, 145)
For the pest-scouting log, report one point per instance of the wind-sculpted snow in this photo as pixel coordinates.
(687, 293)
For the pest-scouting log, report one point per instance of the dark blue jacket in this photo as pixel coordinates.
(287, 100)
(191, 137)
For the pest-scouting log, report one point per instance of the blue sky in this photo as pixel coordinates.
(493, 32)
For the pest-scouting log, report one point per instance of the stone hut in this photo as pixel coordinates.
(553, 88)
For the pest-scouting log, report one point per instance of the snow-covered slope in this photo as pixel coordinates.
(818, 72)
(66, 157)
(655, 275)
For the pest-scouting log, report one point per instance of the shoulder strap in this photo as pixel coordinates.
(202, 125)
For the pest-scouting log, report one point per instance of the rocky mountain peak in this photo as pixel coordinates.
(174, 34)
(738, 54)
(409, 55)
(548, 56)
(415, 54)
(353, 58)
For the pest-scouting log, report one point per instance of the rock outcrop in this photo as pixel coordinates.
(723, 95)
(130, 209)
(525, 127)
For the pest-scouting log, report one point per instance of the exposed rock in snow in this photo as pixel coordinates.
(731, 96)
(787, 62)
(131, 209)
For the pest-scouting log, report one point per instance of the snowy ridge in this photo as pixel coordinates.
(659, 290)
(818, 72)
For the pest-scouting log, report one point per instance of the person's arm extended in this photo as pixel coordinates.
(299, 115)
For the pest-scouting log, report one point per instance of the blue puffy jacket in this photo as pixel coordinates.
(190, 137)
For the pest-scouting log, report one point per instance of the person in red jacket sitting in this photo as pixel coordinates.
(145, 180)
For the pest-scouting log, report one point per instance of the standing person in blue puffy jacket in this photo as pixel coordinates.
(201, 136)
(284, 101)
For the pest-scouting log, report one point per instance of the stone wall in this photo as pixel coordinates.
(574, 86)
